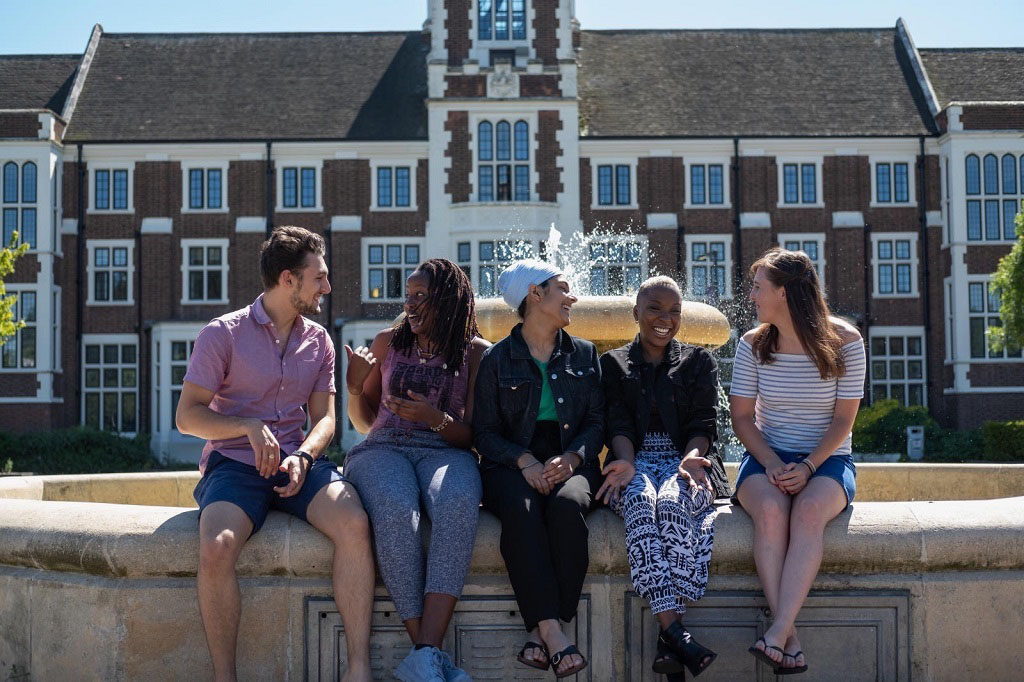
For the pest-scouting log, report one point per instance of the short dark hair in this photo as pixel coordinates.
(286, 250)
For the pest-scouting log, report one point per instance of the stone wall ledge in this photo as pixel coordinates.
(135, 541)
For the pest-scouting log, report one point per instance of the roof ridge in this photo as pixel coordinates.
(971, 49)
(862, 29)
(70, 55)
(258, 34)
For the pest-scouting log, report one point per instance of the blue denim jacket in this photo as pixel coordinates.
(506, 398)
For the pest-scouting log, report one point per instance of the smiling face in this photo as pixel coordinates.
(417, 290)
(553, 301)
(769, 300)
(658, 311)
(308, 286)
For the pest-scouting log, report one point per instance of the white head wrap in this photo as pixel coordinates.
(515, 282)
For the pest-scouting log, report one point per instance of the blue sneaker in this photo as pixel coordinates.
(451, 672)
(422, 665)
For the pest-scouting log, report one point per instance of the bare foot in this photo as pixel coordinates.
(534, 653)
(556, 641)
(767, 643)
(357, 674)
(792, 648)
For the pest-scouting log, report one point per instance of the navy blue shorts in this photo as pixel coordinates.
(228, 480)
(840, 468)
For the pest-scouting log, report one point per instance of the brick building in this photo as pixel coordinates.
(146, 171)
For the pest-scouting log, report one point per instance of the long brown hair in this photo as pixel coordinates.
(794, 271)
(450, 297)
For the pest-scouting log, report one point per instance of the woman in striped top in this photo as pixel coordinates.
(797, 382)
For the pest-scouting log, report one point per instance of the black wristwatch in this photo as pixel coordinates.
(306, 456)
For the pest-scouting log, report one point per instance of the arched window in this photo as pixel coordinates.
(521, 140)
(10, 183)
(1009, 174)
(504, 139)
(485, 141)
(973, 173)
(28, 183)
(991, 174)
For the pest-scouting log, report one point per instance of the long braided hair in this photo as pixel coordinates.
(453, 326)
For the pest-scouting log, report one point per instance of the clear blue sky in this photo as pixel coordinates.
(62, 26)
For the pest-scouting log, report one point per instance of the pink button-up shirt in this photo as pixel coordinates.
(239, 358)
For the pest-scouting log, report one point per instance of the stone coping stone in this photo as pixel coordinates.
(876, 482)
(135, 541)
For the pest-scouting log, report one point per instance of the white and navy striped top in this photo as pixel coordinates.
(794, 405)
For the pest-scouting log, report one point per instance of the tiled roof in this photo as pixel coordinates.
(36, 81)
(747, 82)
(254, 86)
(975, 74)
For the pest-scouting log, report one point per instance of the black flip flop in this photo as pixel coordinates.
(760, 654)
(792, 670)
(539, 665)
(567, 651)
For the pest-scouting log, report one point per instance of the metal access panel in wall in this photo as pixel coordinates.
(867, 631)
(485, 634)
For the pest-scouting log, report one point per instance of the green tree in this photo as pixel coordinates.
(1009, 280)
(8, 254)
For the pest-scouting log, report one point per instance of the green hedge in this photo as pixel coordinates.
(1003, 441)
(75, 451)
(882, 427)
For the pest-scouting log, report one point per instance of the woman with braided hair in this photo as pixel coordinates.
(411, 392)
(797, 383)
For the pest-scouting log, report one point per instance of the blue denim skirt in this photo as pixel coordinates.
(840, 468)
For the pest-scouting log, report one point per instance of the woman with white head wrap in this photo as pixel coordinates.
(539, 432)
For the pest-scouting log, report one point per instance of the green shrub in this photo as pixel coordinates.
(948, 445)
(882, 427)
(1003, 441)
(77, 451)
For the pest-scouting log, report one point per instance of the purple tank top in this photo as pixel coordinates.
(404, 371)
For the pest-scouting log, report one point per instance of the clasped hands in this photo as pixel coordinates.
(267, 458)
(544, 476)
(789, 478)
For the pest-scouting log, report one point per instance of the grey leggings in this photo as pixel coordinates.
(397, 473)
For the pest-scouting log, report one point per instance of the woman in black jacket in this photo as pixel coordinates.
(538, 424)
(664, 473)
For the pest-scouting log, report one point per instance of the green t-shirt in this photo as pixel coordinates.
(547, 401)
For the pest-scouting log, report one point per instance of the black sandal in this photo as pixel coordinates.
(760, 654)
(791, 670)
(567, 651)
(666, 662)
(539, 665)
(695, 656)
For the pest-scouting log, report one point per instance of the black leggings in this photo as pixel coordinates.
(543, 537)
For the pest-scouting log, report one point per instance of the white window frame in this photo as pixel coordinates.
(19, 289)
(613, 161)
(913, 261)
(186, 244)
(817, 237)
(623, 240)
(949, 311)
(366, 242)
(18, 204)
(186, 168)
(781, 162)
(709, 237)
(317, 164)
(57, 361)
(1000, 197)
(493, 117)
(911, 162)
(725, 163)
(376, 164)
(118, 340)
(986, 280)
(905, 332)
(475, 263)
(130, 167)
(90, 246)
(481, 49)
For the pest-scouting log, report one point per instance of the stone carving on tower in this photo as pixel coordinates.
(503, 83)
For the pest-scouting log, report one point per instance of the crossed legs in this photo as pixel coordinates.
(788, 542)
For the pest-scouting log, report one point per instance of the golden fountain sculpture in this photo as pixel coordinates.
(607, 321)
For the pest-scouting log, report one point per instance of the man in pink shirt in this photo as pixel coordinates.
(250, 375)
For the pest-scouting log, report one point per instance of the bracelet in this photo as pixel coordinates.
(810, 465)
(446, 419)
(529, 465)
(306, 456)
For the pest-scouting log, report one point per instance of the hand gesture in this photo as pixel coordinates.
(560, 467)
(265, 448)
(295, 467)
(533, 472)
(360, 364)
(794, 477)
(693, 469)
(414, 409)
(617, 475)
(774, 471)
